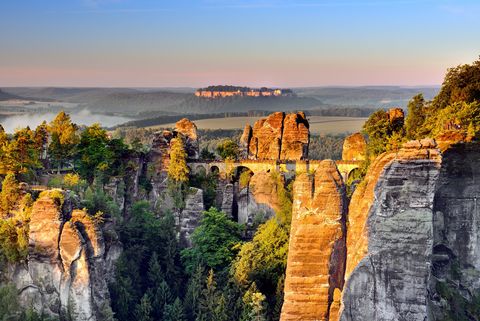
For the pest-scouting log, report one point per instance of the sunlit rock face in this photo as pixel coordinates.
(354, 148)
(317, 252)
(390, 237)
(279, 136)
(66, 272)
(188, 130)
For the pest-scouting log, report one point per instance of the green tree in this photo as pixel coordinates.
(143, 310)
(194, 291)
(414, 122)
(63, 139)
(174, 312)
(228, 149)
(215, 242)
(461, 84)
(212, 305)
(93, 155)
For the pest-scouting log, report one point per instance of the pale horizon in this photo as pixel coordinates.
(195, 43)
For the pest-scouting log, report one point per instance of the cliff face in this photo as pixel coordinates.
(66, 271)
(455, 280)
(390, 237)
(317, 246)
(412, 233)
(278, 136)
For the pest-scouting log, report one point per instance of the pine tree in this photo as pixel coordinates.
(143, 310)
(194, 292)
(10, 194)
(212, 304)
(174, 312)
(63, 138)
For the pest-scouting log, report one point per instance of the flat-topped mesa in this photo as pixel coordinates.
(277, 137)
(354, 148)
(236, 91)
(316, 259)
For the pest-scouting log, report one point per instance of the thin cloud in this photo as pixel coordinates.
(299, 4)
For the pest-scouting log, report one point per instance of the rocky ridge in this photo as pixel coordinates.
(66, 270)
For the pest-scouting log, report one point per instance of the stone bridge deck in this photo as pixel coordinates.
(228, 167)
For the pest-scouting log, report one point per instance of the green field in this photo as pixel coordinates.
(318, 124)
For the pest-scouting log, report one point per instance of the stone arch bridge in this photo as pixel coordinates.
(289, 168)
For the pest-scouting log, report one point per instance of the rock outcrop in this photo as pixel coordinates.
(258, 201)
(160, 151)
(354, 148)
(65, 274)
(279, 136)
(455, 281)
(189, 217)
(317, 252)
(389, 238)
(188, 130)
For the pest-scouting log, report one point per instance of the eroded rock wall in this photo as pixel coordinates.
(317, 252)
(455, 282)
(279, 136)
(65, 274)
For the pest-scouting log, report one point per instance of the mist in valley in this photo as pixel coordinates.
(83, 117)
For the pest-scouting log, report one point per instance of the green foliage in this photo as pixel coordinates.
(255, 305)
(212, 304)
(206, 154)
(96, 200)
(244, 178)
(325, 146)
(414, 122)
(174, 312)
(228, 149)
(148, 267)
(383, 134)
(461, 84)
(458, 308)
(215, 242)
(10, 309)
(64, 139)
(208, 184)
(462, 117)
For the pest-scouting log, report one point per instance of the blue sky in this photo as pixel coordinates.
(149, 43)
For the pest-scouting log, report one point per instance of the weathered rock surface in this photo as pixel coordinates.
(66, 270)
(296, 137)
(258, 201)
(278, 136)
(455, 280)
(188, 130)
(354, 148)
(390, 237)
(317, 252)
(189, 217)
(160, 151)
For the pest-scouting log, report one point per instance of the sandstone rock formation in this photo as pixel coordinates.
(354, 148)
(160, 151)
(258, 201)
(278, 136)
(66, 271)
(389, 237)
(189, 217)
(455, 279)
(317, 246)
(188, 130)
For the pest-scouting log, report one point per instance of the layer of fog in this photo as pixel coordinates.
(84, 117)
